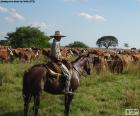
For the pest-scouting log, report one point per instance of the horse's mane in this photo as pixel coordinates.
(78, 59)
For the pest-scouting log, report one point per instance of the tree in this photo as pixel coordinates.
(26, 36)
(77, 44)
(126, 45)
(107, 41)
(4, 43)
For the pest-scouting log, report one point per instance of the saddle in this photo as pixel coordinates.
(54, 68)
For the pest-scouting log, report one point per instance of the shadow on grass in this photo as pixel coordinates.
(18, 113)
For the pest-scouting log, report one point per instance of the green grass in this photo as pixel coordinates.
(98, 95)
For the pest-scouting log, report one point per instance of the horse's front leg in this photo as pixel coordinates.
(36, 104)
(68, 99)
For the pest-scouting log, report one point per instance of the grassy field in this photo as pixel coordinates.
(104, 95)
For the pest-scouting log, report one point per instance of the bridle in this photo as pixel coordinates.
(79, 72)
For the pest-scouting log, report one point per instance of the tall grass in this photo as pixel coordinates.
(106, 94)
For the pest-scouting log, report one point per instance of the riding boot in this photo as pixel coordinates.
(67, 76)
(67, 86)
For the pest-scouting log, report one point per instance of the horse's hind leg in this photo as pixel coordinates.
(68, 99)
(27, 99)
(36, 104)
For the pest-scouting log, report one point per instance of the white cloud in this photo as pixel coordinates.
(2, 35)
(12, 15)
(9, 19)
(42, 25)
(92, 17)
(100, 18)
(45, 27)
(3, 10)
(16, 15)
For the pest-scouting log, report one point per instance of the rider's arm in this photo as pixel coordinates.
(58, 54)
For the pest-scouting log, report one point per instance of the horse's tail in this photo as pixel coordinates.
(25, 89)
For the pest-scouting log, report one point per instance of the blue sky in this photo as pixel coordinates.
(79, 20)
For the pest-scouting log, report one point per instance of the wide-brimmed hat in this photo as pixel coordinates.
(56, 34)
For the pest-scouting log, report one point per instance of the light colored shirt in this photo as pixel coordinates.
(55, 50)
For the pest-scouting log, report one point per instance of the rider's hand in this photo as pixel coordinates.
(64, 58)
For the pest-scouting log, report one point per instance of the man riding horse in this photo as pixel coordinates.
(56, 56)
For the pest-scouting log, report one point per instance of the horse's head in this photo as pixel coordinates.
(87, 66)
(83, 63)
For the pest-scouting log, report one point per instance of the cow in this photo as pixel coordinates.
(6, 54)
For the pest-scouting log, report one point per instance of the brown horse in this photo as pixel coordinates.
(37, 79)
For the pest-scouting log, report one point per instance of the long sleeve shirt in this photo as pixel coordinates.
(55, 50)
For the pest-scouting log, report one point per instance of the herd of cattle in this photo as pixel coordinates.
(114, 59)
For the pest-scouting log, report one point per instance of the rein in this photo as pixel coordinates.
(79, 72)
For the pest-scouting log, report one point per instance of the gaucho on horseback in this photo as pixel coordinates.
(56, 56)
(44, 77)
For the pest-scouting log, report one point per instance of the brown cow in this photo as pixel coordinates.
(26, 54)
(6, 54)
(116, 64)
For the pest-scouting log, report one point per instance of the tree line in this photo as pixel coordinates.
(27, 37)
